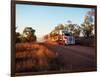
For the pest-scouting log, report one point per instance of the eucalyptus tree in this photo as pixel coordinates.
(88, 24)
(74, 29)
(28, 34)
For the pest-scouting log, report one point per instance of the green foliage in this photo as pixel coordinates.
(27, 36)
(59, 27)
(74, 29)
(87, 30)
(18, 37)
(70, 27)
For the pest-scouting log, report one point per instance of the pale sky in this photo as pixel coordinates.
(44, 18)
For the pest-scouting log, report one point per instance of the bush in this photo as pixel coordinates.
(35, 57)
(90, 41)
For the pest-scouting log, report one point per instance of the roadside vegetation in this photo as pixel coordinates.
(36, 58)
(28, 35)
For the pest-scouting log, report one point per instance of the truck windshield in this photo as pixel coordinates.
(67, 34)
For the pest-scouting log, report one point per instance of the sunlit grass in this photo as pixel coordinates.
(35, 57)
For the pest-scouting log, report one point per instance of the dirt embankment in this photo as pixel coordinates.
(34, 57)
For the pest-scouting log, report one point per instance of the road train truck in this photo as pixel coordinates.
(65, 38)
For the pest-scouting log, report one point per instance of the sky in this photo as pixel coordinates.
(44, 18)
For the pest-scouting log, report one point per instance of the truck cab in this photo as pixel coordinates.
(66, 38)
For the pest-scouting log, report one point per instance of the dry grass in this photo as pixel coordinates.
(33, 57)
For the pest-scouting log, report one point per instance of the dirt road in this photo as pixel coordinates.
(75, 57)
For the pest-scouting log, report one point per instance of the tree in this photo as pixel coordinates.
(87, 26)
(59, 27)
(69, 27)
(28, 35)
(74, 29)
(87, 29)
(18, 37)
